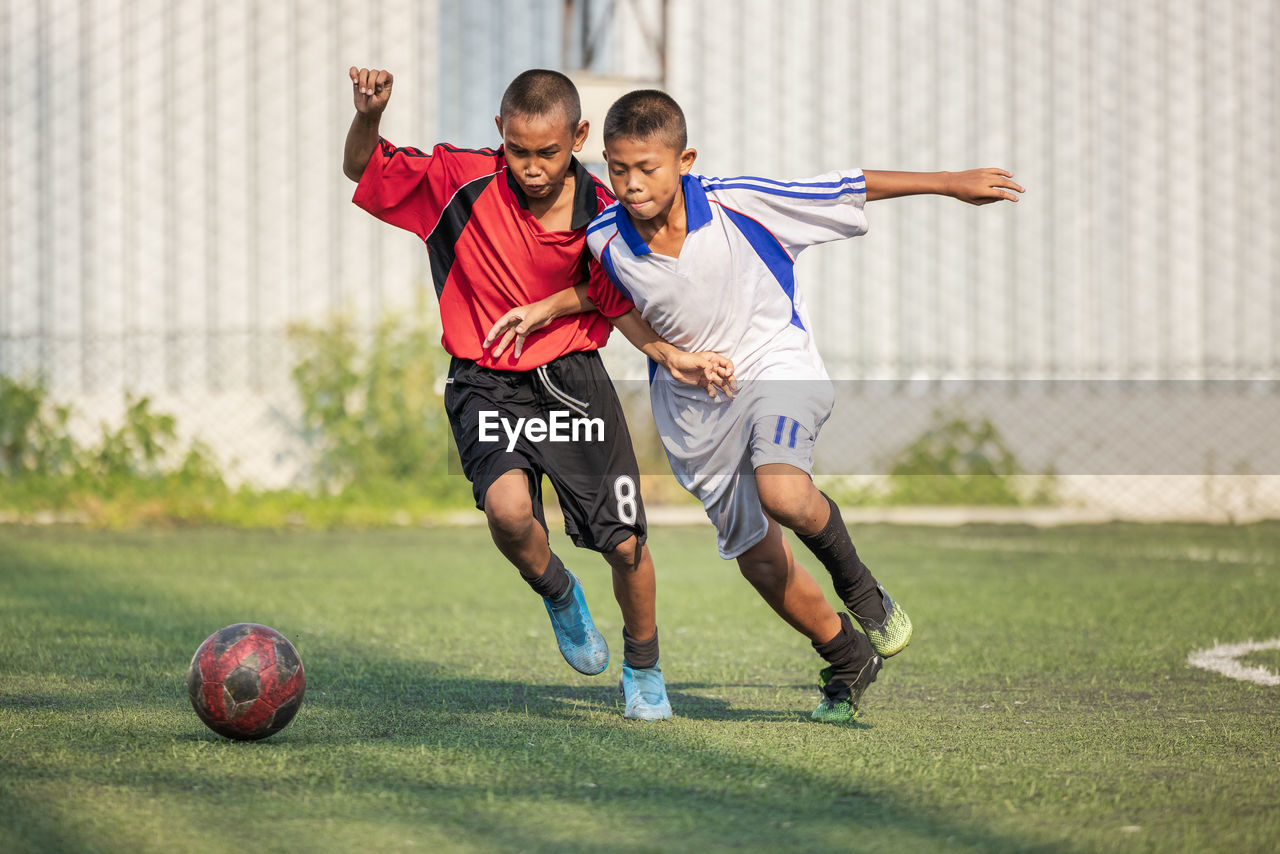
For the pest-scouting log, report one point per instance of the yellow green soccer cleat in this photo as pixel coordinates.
(839, 704)
(891, 636)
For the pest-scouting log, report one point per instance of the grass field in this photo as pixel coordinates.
(1044, 705)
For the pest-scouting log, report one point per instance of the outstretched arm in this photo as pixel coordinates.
(371, 89)
(976, 186)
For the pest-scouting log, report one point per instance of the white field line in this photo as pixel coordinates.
(1223, 659)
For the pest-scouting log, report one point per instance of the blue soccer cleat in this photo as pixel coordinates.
(580, 643)
(645, 692)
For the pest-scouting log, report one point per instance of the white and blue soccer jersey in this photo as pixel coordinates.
(733, 291)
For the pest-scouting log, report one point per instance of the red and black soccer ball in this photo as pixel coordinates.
(246, 681)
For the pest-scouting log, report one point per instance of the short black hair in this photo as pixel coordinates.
(542, 92)
(647, 114)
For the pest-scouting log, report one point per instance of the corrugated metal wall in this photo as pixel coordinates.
(172, 192)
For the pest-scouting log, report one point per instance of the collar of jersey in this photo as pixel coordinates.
(584, 194)
(697, 211)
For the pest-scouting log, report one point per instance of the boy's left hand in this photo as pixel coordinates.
(983, 186)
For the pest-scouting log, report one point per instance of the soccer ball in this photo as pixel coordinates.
(246, 681)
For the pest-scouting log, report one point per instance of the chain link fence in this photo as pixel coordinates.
(173, 202)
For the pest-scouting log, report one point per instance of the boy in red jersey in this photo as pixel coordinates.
(507, 228)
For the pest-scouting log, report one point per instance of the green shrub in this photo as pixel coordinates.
(134, 471)
(372, 413)
(33, 433)
(961, 461)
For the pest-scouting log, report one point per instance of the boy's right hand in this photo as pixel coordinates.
(515, 326)
(371, 88)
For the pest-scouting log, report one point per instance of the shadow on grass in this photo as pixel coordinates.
(496, 764)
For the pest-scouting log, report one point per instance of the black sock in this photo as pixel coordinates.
(847, 653)
(854, 583)
(554, 582)
(639, 654)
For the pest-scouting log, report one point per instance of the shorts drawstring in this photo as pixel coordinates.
(559, 394)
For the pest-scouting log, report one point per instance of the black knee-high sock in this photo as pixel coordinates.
(554, 581)
(854, 583)
(639, 654)
(847, 652)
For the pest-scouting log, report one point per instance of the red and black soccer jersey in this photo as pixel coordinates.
(488, 253)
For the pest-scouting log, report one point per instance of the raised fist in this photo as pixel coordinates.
(371, 88)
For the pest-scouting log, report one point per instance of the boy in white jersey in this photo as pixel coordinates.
(708, 263)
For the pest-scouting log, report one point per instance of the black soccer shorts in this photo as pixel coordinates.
(562, 420)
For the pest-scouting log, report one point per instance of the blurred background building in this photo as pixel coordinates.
(171, 200)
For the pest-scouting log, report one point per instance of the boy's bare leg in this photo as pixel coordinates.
(519, 537)
(635, 587)
(517, 534)
(508, 508)
(852, 664)
(788, 494)
(788, 588)
(644, 688)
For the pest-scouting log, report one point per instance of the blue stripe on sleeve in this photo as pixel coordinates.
(777, 436)
(846, 181)
(606, 261)
(795, 426)
(792, 189)
(848, 190)
(604, 219)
